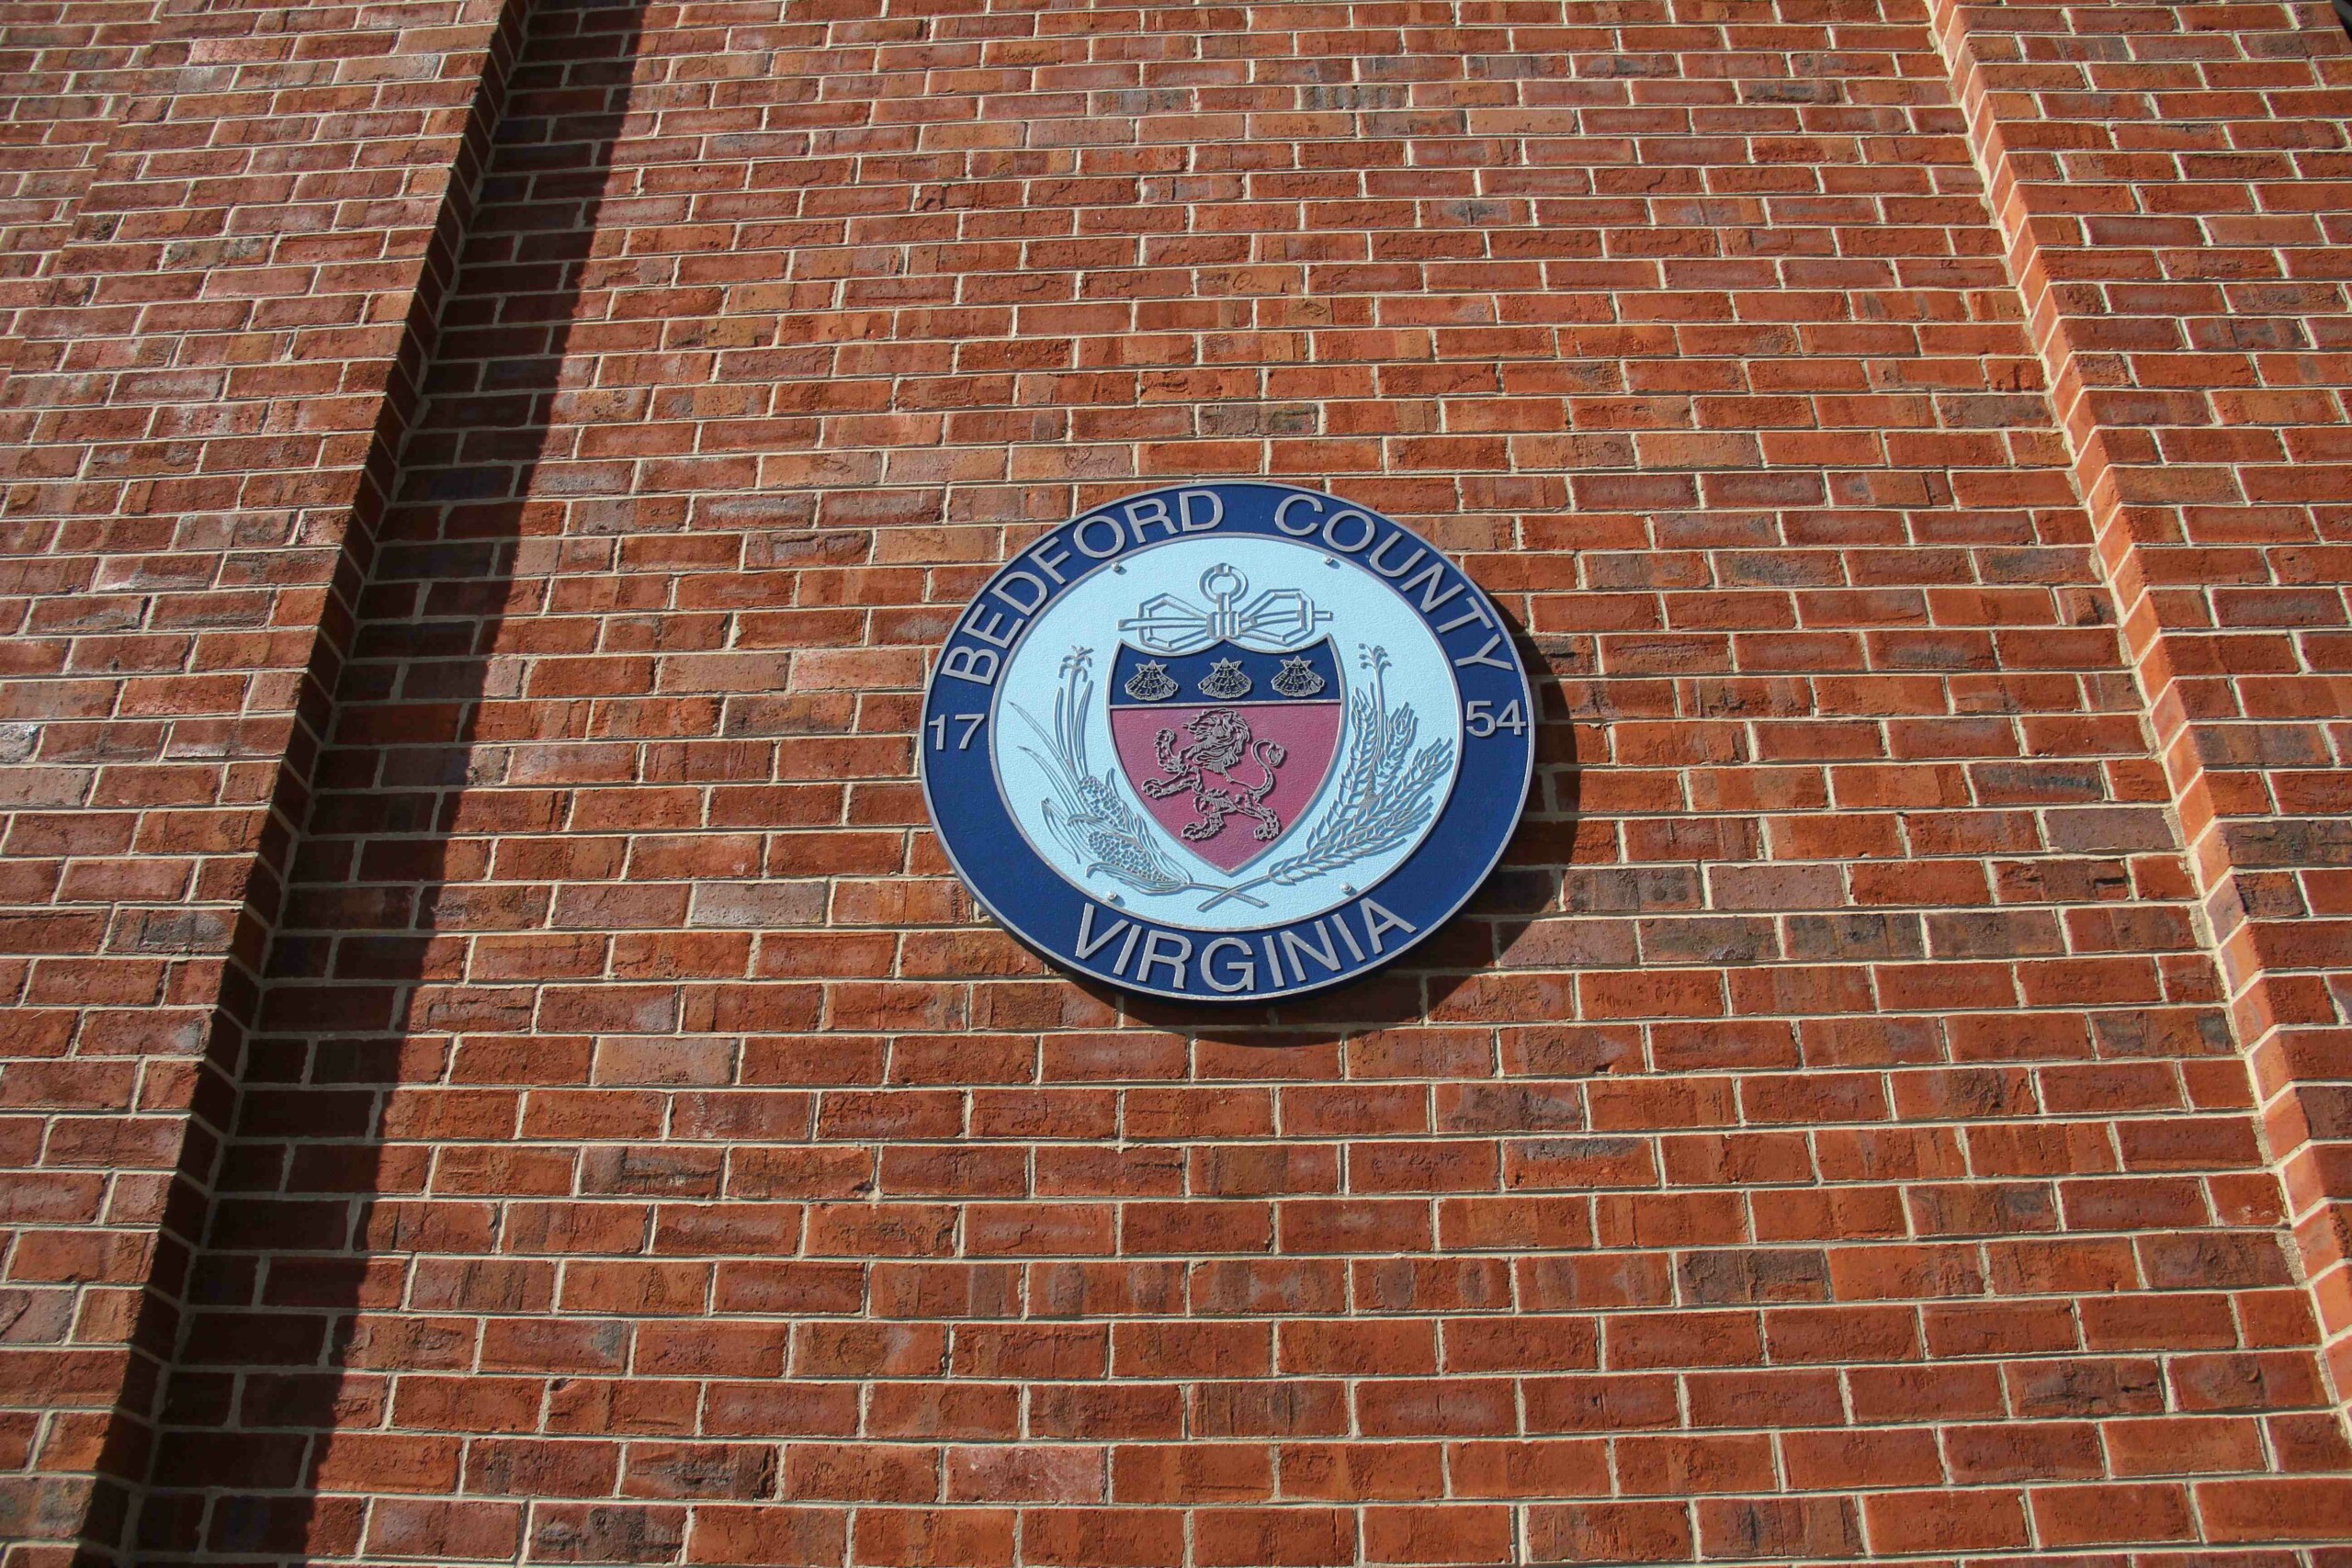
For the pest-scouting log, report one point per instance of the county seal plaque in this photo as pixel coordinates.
(1227, 742)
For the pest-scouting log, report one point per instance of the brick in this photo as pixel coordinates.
(1611, 1532)
(1293, 1538)
(1955, 1521)
(1086, 1537)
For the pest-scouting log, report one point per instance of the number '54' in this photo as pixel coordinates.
(1481, 719)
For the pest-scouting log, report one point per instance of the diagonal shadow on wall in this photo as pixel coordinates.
(278, 1346)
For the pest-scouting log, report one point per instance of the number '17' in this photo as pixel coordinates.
(971, 723)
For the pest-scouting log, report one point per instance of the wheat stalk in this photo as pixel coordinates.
(1089, 816)
(1383, 794)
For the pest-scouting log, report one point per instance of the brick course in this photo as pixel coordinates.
(1824, 1139)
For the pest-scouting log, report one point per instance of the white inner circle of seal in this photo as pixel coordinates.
(1220, 823)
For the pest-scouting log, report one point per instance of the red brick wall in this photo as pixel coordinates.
(68, 68)
(215, 301)
(1824, 1140)
(2175, 184)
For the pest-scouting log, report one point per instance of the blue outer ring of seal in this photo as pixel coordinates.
(1032, 900)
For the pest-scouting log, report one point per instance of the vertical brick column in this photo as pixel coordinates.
(2174, 186)
(217, 319)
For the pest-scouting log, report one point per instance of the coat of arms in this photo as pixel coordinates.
(1228, 720)
(1226, 717)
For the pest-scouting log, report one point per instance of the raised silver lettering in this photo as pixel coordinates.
(976, 665)
(1050, 561)
(995, 631)
(1410, 563)
(1428, 578)
(1340, 924)
(1118, 536)
(1331, 539)
(1480, 656)
(1469, 614)
(1003, 590)
(1377, 920)
(1293, 945)
(1089, 944)
(1149, 513)
(1282, 517)
(1243, 980)
(1181, 951)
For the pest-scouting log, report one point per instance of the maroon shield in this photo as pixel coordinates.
(1224, 758)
